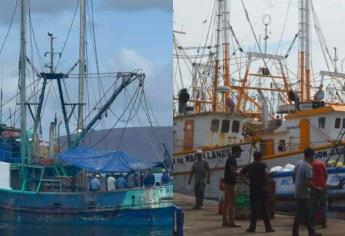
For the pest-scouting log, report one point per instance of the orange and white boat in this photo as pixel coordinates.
(265, 110)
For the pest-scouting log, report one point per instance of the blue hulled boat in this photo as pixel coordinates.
(40, 184)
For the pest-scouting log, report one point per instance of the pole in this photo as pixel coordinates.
(301, 48)
(226, 32)
(22, 82)
(82, 65)
(216, 74)
(307, 49)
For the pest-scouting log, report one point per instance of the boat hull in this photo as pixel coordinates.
(217, 158)
(147, 207)
(285, 190)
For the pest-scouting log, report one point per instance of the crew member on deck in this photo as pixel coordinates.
(132, 181)
(165, 177)
(121, 182)
(149, 179)
(201, 170)
(111, 183)
(95, 184)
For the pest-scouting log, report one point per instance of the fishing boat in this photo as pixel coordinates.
(40, 183)
(258, 106)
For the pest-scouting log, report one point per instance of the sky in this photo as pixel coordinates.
(190, 15)
(130, 35)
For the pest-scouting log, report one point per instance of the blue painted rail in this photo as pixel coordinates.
(10, 157)
(178, 221)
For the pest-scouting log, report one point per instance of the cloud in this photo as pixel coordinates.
(129, 60)
(138, 4)
(158, 82)
(52, 8)
(55, 7)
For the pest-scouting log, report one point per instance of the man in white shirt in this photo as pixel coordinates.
(111, 183)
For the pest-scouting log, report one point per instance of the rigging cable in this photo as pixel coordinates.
(284, 26)
(119, 119)
(9, 28)
(68, 33)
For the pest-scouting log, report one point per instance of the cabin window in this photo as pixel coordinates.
(225, 126)
(235, 126)
(281, 145)
(215, 125)
(337, 123)
(343, 123)
(322, 122)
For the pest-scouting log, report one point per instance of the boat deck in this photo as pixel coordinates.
(208, 222)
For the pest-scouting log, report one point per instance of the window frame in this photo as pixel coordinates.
(337, 123)
(237, 126)
(225, 127)
(215, 123)
(322, 125)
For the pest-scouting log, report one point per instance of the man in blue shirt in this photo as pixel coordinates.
(95, 184)
(165, 178)
(121, 182)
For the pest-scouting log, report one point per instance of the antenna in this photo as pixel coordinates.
(51, 53)
(266, 20)
(335, 59)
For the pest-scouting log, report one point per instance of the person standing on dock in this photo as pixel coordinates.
(201, 170)
(318, 198)
(302, 178)
(256, 176)
(230, 177)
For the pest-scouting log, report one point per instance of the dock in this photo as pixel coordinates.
(208, 222)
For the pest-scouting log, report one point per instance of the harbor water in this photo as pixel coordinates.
(81, 230)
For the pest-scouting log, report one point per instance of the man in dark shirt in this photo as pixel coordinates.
(149, 179)
(256, 176)
(230, 176)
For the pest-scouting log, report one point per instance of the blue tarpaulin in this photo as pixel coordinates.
(103, 161)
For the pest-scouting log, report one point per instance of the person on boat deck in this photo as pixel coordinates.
(230, 177)
(256, 176)
(302, 178)
(121, 182)
(165, 177)
(149, 179)
(201, 170)
(95, 184)
(111, 183)
(318, 198)
(132, 181)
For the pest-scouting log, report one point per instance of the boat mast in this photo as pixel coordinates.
(217, 56)
(304, 49)
(226, 45)
(22, 83)
(82, 65)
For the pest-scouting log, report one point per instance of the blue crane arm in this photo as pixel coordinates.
(127, 78)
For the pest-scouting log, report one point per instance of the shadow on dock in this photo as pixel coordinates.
(208, 222)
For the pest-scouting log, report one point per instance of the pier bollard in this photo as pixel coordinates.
(178, 221)
(221, 196)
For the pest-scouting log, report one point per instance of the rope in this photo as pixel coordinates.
(68, 33)
(9, 28)
(285, 21)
